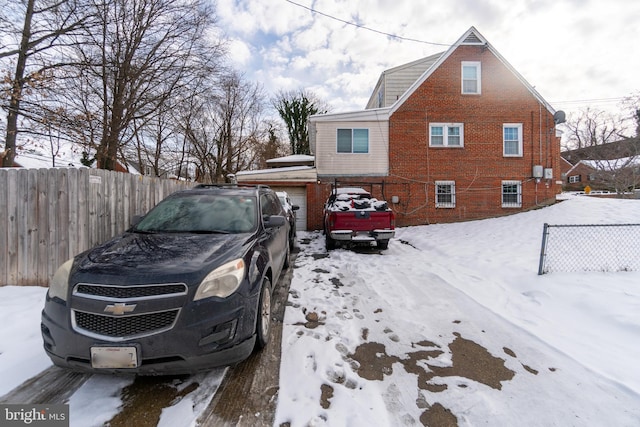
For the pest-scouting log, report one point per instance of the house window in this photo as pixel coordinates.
(512, 139)
(445, 194)
(353, 140)
(511, 194)
(446, 135)
(574, 178)
(471, 78)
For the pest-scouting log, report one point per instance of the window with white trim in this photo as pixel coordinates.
(511, 194)
(471, 78)
(446, 135)
(574, 178)
(512, 139)
(353, 141)
(445, 194)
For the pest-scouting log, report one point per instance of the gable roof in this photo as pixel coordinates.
(411, 71)
(470, 37)
(580, 163)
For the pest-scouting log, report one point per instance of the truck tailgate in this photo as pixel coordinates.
(361, 220)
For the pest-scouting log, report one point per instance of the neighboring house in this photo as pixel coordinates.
(66, 156)
(577, 177)
(614, 166)
(455, 136)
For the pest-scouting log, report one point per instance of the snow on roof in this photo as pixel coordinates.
(292, 158)
(613, 164)
(32, 158)
(276, 170)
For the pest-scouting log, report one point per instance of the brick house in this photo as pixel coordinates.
(455, 136)
(603, 166)
(577, 177)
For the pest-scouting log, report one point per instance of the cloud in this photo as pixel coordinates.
(570, 50)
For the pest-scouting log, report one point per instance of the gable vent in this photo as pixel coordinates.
(472, 38)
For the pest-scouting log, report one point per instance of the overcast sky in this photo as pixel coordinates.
(576, 53)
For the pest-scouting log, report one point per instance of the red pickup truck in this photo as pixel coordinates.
(352, 215)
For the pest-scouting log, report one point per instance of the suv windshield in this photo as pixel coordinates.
(201, 213)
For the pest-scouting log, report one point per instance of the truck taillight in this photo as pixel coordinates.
(332, 220)
(393, 221)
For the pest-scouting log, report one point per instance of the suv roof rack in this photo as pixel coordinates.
(229, 185)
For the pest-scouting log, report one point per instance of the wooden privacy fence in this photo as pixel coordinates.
(49, 215)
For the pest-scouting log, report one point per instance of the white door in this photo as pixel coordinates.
(298, 196)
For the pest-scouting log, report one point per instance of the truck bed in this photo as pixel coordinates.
(358, 218)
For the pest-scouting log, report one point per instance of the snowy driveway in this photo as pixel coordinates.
(451, 327)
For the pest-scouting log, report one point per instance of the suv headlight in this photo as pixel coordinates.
(223, 281)
(60, 281)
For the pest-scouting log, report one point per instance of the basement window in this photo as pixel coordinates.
(445, 194)
(511, 194)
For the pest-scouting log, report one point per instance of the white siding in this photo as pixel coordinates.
(395, 81)
(331, 163)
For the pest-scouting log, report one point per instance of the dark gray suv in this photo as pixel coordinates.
(185, 289)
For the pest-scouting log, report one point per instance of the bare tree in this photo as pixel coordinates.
(272, 147)
(599, 138)
(42, 27)
(621, 175)
(224, 129)
(632, 105)
(590, 128)
(147, 53)
(295, 108)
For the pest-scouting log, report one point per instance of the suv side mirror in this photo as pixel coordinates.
(274, 221)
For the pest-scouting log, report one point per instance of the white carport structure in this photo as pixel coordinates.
(292, 179)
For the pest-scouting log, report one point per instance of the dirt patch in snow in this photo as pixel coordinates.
(468, 360)
(144, 400)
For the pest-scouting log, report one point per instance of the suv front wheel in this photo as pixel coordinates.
(263, 324)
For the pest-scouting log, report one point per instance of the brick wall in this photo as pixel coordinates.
(479, 168)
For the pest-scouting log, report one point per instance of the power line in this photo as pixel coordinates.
(366, 28)
(587, 101)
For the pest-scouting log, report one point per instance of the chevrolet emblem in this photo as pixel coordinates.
(120, 308)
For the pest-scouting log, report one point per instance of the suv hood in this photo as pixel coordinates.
(162, 254)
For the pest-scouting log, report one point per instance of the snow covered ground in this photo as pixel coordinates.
(570, 340)
(450, 324)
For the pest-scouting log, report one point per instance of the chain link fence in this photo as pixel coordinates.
(590, 247)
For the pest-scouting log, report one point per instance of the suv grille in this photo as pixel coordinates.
(98, 324)
(124, 292)
(125, 327)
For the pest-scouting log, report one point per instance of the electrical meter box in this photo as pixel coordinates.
(537, 171)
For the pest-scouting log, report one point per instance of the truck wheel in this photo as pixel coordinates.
(263, 323)
(383, 244)
(329, 243)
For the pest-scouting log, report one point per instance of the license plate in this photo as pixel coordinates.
(114, 357)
